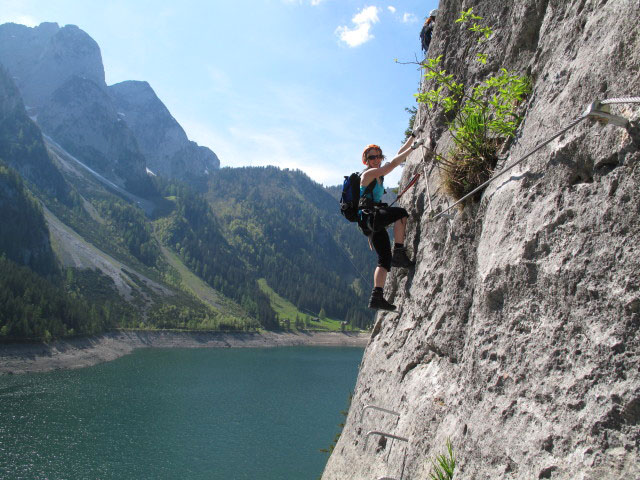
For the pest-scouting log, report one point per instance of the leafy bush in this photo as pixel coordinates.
(482, 117)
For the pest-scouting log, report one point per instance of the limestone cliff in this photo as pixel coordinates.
(518, 333)
(48, 52)
(162, 140)
(118, 130)
(21, 143)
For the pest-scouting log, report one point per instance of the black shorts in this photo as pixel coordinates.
(374, 226)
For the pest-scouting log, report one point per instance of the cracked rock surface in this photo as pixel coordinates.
(518, 333)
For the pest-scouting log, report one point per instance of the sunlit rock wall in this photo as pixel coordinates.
(518, 333)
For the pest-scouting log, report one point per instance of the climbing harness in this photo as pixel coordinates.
(598, 110)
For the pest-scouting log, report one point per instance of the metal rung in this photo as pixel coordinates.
(602, 112)
(383, 434)
(373, 407)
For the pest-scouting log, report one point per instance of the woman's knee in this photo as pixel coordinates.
(399, 213)
(384, 261)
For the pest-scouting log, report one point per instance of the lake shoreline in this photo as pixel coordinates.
(67, 354)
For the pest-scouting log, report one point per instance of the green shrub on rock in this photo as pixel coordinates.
(482, 117)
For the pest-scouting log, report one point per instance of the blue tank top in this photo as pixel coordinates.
(377, 192)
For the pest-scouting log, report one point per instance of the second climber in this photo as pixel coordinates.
(427, 30)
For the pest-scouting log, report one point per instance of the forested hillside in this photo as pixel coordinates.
(24, 237)
(288, 228)
(36, 300)
(192, 231)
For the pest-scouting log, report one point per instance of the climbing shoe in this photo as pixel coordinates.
(399, 258)
(377, 302)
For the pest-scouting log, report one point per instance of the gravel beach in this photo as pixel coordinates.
(86, 351)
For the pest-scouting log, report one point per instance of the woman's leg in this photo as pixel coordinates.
(400, 258)
(398, 216)
(382, 246)
(399, 229)
(386, 216)
(379, 277)
(380, 241)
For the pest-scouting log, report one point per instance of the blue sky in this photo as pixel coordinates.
(295, 83)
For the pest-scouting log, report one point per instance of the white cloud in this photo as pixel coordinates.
(391, 8)
(359, 34)
(409, 18)
(316, 2)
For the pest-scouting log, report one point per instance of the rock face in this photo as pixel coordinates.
(118, 131)
(518, 333)
(21, 143)
(161, 138)
(43, 58)
(81, 117)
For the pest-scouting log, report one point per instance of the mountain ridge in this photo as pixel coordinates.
(71, 62)
(161, 138)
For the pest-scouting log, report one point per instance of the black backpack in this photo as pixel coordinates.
(351, 196)
(425, 37)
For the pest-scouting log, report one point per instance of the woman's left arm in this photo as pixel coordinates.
(407, 145)
(405, 149)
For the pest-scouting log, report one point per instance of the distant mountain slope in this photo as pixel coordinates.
(21, 143)
(91, 262)
(288, 227)
(161, 138)
(81, 117)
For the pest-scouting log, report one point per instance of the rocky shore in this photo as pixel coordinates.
(87, 351)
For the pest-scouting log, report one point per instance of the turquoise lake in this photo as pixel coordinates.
(260, 414)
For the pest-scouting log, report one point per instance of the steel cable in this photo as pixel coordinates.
(538, 147)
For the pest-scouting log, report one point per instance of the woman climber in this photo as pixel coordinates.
(375, 216)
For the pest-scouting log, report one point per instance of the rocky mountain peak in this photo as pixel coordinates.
(161, 138)
(43, 58)
(118, 130)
